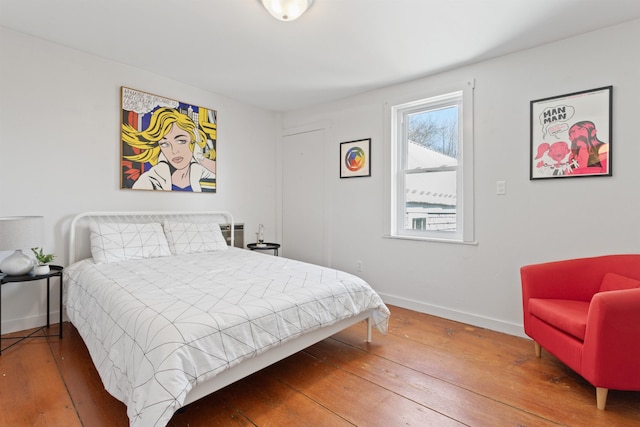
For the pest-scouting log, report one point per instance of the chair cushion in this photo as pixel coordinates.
(567, 315)
(616, 282)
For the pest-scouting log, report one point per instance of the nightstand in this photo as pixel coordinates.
(264, 247)
(55, 271)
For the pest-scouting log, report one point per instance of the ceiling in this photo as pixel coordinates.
(337, 49)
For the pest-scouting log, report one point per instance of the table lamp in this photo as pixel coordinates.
(17, 233)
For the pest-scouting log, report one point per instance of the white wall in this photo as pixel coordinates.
(60, 148)
(535, 221)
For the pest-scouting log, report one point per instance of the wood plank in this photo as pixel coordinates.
(211, 411)
(494, 365)
(31, 390)
(426, 371)
(269, 402)
(358, 401)
(448, 399)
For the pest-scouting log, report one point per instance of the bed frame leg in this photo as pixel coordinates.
(369, 329)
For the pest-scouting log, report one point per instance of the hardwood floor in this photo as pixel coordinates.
(427, 371)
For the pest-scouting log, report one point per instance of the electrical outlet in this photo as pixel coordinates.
(359, 266)
(501, 187)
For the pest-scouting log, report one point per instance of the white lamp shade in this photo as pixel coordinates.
(286, 10)
(17, 233)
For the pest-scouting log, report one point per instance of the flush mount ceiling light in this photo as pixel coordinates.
(286, 10)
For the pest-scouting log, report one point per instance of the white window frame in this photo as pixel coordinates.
(395, 112)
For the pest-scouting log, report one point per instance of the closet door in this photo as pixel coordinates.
(303, 204)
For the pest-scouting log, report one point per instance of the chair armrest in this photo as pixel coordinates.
(611, 352)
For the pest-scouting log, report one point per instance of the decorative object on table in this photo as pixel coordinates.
(286, 10)
(571, 135)
(159, 136)
(42, 267)
(17, 232)
(355, 158)
(260, 236)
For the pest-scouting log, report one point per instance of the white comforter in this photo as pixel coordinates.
(156, 327)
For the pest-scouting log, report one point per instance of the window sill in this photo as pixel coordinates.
(431, 239)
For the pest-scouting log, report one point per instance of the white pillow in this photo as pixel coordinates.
(188, 238)
(112, 242)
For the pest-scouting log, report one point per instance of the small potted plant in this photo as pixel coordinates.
(43, 260)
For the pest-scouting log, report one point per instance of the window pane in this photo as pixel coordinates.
(430, 201)
(436, 131)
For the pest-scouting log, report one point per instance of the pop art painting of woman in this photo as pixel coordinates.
(167, 145)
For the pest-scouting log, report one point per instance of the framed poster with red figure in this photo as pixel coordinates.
(167, 145)
(355, 158)
(571, 135)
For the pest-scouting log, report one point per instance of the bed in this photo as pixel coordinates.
(170, 311)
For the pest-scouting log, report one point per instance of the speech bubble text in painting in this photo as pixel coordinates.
(551, 119)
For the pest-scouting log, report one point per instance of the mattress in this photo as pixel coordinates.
(156, 327)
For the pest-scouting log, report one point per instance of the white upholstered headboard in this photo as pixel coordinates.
(79, 242)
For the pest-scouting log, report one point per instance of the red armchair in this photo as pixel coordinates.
(586, 312)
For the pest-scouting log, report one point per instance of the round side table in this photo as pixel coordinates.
(264, 247)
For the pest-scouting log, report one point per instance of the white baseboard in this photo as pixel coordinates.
(24, 323)
(458, 316)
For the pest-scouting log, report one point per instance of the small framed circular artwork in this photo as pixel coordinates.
(355, 158)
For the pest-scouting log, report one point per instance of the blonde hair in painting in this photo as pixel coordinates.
(147, 140)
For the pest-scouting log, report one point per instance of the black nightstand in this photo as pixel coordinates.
(55, 271)
(265, 247)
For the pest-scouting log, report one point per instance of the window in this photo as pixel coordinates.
(419, 223)
(432, 161)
